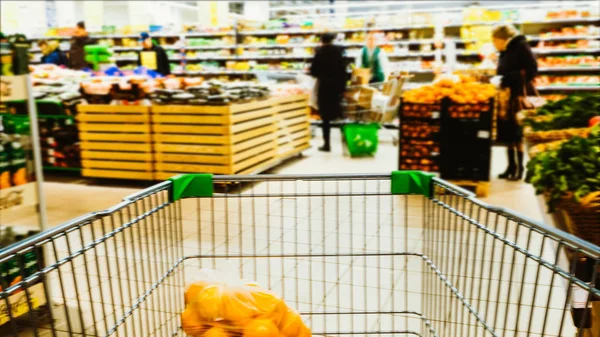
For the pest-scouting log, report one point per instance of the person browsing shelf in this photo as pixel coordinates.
(153, 56)
(51, 53)
(372, 57)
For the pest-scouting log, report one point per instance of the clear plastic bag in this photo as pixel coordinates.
(216, 306)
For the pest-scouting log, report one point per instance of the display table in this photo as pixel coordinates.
(116, 141)
(241, 138)
(159, 141)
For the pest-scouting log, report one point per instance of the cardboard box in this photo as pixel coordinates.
(361, 76)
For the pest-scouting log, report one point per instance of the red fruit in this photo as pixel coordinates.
(594, 120)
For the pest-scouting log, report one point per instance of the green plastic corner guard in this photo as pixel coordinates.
(191, 185)
(412, 182)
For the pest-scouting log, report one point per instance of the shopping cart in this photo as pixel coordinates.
(375, 103)
(405, 254)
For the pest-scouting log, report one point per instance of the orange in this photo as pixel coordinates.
(191, 323)
(216, 332)
(291, 324)
(261, 328)
(208, 303)
(238, 307)
(193, 290)
(265, 301)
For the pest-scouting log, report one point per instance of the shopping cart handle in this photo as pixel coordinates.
(191, 185)
(412, 182)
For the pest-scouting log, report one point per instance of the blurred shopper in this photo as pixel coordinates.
(518, 67)
(372, 57)
(153, 56)
(329, 68)
(78, 43)
(52, 53)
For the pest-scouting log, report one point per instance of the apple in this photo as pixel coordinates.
(594, 120)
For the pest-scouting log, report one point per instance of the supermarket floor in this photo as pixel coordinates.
(70, 197)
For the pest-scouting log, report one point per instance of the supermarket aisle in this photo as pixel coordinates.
(67, 201)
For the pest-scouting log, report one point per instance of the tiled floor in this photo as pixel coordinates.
(402, 265)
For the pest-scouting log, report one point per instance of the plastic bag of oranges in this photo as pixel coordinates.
(217, 308)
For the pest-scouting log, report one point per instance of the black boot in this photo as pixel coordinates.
(511, 170)
(520, 168)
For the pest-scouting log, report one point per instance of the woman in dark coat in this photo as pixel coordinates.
(329, 68)
(518, 67)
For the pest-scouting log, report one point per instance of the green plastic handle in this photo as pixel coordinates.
(201, 185)
(191, 185)
(412, 182)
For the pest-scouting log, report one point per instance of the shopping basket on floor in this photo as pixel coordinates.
(366, 108)
(405, 254)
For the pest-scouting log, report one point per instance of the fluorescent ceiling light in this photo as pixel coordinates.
(178, 5)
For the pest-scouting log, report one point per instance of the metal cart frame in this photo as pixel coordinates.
(405, 254)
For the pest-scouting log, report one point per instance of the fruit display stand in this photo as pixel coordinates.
(467, 126)
(116, 141)
(293, 119)
(242, 138)
(419, 136)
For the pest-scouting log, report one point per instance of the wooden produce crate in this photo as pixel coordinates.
(116, 141)
(293, 120)
(230, 139)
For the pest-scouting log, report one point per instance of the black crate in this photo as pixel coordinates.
(465, 160)
(419, 132)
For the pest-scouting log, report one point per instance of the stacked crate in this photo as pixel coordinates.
(293, 120)
(116, 141)
(465, 142)
(228, 139)
(419, 129)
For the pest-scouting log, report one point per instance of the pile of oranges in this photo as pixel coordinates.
(461, 89)
(221, 310)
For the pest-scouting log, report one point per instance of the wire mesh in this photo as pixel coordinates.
(350, 256)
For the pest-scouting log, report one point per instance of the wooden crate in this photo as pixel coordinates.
(116, 141)
(233, 139)
(293, 120)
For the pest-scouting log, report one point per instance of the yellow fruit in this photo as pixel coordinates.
(238, 307)
(209, 303)
(265, 301)
(216, 332)
(191, 323)
(291, 324)
(261, 328)
(191, 293)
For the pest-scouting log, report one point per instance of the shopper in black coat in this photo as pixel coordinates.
(329, 68)
(518, 67)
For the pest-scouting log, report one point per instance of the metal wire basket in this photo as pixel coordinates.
(404, 254)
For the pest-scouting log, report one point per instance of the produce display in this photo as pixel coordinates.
(575, 111)
(567, 80)
(15, 145)
(460, 89)
(215, 308)
(570, 60)
(578, 30)
(419, 136)
(571, 170)
(212, 93)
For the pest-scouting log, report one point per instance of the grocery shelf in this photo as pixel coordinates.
(208, 34)
(235, 72)
(569, 88)
(569, 69)
(64, 169)
(562, 38)
(544, 51)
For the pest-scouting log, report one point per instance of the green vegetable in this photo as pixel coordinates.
(572, 112)
(573, 167)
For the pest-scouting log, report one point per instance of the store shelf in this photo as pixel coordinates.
(208, 34)
(563, 38)
(64, 169)
(542, 51)
(569, 69)
(235, 72)
(568, 88)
